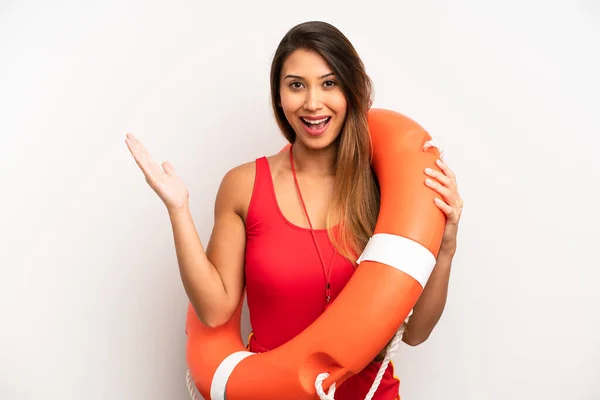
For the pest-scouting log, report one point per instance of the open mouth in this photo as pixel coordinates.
(316, 124)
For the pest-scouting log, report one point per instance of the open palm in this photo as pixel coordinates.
(164, 181)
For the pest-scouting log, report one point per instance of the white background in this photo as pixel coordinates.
(91, 304)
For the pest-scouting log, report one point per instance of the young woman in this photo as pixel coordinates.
(290, 227)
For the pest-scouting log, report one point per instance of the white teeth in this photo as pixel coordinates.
(314, 122)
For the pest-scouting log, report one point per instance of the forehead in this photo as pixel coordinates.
(305, 63)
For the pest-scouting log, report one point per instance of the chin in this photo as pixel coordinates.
(317, 142)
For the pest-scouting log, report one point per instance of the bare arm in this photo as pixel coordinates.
(430, 306)
(214, 280)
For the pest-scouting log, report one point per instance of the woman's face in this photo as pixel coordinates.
(311, 99)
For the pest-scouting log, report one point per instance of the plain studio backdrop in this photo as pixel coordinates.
(91, 303)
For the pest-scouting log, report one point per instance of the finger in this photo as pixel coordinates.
(169, 169)
(442, 205)
(141, 159)
(444, 191)
(151, 165)
(144, 160)
(445, 169)
(155, 173)
(135, 152)
(443, 179)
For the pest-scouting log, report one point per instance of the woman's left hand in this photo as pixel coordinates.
(450, 202)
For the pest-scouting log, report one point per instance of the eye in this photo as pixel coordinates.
(296, 85)
(329, 83)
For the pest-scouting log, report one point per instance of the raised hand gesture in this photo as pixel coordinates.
(164, 181)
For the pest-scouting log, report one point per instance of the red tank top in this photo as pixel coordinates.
(285, 281)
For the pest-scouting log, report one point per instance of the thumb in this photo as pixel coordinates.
(169, 169)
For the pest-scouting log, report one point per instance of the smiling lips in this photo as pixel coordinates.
(315, 126)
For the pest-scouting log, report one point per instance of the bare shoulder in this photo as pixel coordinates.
(236, 188)
(237, 185)
(277, 162)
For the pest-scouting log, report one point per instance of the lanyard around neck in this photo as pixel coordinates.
(326, 271)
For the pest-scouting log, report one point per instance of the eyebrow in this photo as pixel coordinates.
(299, 77)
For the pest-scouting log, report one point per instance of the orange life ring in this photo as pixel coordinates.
(389, 279)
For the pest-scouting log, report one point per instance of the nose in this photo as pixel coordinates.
(313, 101)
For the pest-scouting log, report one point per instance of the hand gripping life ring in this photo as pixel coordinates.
(392, 271)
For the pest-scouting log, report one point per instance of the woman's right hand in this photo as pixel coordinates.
(164, 181)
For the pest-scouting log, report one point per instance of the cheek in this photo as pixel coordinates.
(290, 103)
(288, 112)
(338, 104)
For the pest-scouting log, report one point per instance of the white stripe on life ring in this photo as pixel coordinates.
(223, 372)
(401, 253)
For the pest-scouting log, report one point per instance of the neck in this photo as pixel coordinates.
(314, 162)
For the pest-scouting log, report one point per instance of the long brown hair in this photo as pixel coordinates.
(355, 204)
